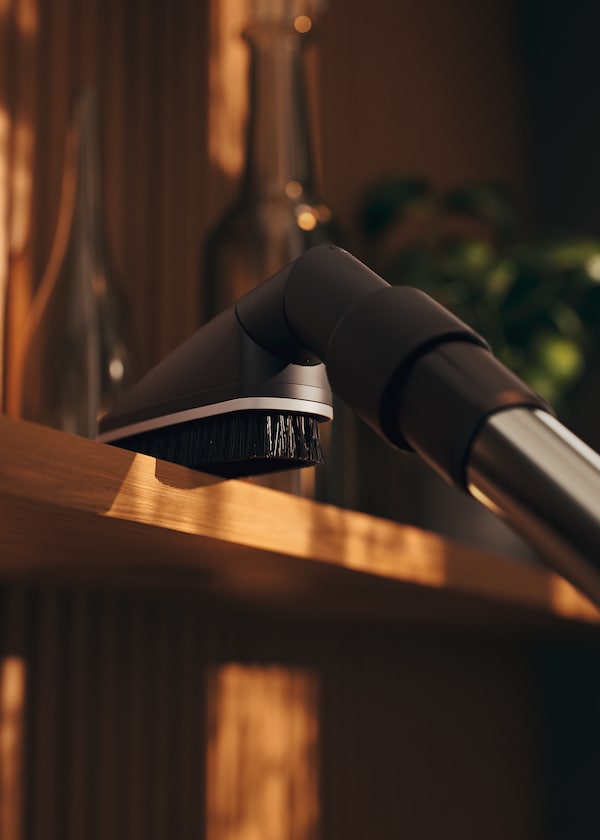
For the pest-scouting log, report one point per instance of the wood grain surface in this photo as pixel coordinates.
(74, 507)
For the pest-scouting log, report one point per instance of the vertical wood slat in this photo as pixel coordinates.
(108, 726)
(262, 759)
(19, 37)
(139, 193)
(167, 181)
(54, 92)
(44, 794)
(6, 39)
(115, 107)
(183, 152)
(195, 204)
(80, 723)
(137, 767)
(161, 687)
(190, 726)
(13, 694)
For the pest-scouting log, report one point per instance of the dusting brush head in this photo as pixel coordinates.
(222, 403)
(235, 445)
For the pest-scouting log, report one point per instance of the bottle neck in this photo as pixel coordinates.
(278, 153)
(87, 211)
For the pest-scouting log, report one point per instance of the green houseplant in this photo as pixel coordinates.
(537, 302)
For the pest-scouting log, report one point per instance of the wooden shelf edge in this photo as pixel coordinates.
(71, 503)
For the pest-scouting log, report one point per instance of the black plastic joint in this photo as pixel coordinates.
(324, 283)
(448, 396)
(261, 315)
(378, 342)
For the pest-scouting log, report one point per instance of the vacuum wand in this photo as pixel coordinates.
(530, 469)
(423, 379)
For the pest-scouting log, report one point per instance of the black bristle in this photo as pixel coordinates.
(235, 445)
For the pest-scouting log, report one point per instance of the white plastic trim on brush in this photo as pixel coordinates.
(290, 406)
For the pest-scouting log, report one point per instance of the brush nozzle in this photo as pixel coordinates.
(235, 445)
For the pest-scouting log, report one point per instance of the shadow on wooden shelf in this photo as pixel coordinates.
(74, 509)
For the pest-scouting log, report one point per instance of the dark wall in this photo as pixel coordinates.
(561, 61)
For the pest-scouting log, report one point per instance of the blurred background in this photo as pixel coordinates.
(481, 103)
(456, 145)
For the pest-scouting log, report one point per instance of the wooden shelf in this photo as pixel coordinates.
(157, 622)
(76, 510)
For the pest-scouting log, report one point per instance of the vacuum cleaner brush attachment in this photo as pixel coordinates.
(245, 393)
(235, 445)
(223, 404)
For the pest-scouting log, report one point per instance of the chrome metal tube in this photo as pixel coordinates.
(545, 483)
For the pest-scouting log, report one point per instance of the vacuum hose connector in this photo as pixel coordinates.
(423, 379)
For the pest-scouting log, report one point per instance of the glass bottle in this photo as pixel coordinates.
(78, 356)
(277, 214)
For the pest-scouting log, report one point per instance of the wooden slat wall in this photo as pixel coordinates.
(148, 61)
(113, 745)
(307, 730)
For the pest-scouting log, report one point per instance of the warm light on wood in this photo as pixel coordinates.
(233, 538)
(262, 767)
(19, 27)
(4, 180)
(228, 67)
(12, 732)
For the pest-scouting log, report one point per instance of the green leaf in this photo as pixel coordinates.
(392, 200)
(486, 202)
(558, 255)
(465, 256)
(561, 358)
